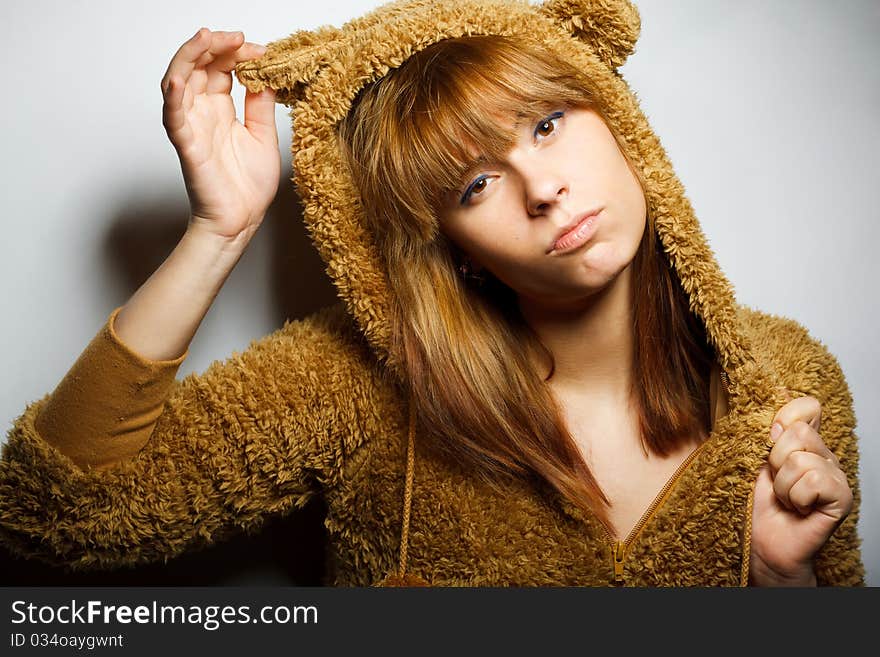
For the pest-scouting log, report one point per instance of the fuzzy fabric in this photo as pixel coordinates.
(316, 407)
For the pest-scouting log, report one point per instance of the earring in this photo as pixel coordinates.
(467, 272)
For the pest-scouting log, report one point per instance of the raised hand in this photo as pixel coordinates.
(231, 171)
(801, 496)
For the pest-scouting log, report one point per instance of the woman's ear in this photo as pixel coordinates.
(609, 27)
(462, 260)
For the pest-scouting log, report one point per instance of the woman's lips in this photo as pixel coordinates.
(580, 234)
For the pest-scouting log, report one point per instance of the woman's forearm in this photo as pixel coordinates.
(162, 316)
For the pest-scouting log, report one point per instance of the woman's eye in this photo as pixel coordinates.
(477, 187)
(547, 126)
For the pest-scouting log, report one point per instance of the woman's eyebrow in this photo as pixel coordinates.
(472, 165)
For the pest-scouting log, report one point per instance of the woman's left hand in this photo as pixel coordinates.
(801, 496)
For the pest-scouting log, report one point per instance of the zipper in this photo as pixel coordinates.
(725, 381)
(619, 556)
(619, 548)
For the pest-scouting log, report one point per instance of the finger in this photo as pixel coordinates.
(173, 113)
(183, 61)
(797, 466)
(821, 489)
(220, 70)
(222, 43)
(229, 59)
(807, 409)
(199, 51)
(799, 437)
(763, 487)
(259, 116)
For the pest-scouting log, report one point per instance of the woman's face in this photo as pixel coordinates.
(508, 214)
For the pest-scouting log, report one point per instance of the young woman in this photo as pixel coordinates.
(536, 375)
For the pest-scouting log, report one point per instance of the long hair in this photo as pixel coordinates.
(471, 361)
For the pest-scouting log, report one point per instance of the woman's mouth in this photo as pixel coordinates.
(577, 235)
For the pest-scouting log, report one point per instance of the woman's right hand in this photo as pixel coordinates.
(231, 171)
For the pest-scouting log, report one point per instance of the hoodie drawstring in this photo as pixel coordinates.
(407, 493)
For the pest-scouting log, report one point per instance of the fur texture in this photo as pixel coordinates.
(316, 408)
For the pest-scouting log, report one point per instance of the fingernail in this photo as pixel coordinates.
(775, 431)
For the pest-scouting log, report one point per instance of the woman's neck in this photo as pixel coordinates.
(591, 341)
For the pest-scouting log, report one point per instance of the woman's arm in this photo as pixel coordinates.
(70, 490)
(231, 172)
(105, 408)
(258, 434)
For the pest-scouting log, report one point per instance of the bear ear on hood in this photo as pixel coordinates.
(610, 27)
(292, 62)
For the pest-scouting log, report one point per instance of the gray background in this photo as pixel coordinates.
(768, 111)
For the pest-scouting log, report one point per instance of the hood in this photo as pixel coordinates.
(317, 74)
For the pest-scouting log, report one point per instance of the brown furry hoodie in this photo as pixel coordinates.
(123, 465)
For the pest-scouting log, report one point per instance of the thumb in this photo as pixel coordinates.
(259, 116)
(765, 498)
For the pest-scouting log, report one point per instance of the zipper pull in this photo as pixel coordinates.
(619, 553)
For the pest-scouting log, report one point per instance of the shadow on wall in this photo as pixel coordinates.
(288, 551)
(299, 281)
(141, 237)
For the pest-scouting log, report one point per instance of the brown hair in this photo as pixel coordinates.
(471, 361)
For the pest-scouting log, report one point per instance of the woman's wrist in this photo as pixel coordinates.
(224, 246)
(762, 575)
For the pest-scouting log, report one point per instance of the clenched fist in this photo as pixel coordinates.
(801, 496)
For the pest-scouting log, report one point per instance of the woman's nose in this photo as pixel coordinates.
(543, 191)
(540, 203)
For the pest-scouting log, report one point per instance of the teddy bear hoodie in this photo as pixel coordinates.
(123, 465)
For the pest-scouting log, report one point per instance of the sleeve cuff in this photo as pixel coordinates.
(106, 406)
(130, 354)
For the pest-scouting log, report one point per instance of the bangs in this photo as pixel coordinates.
(417, 132)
